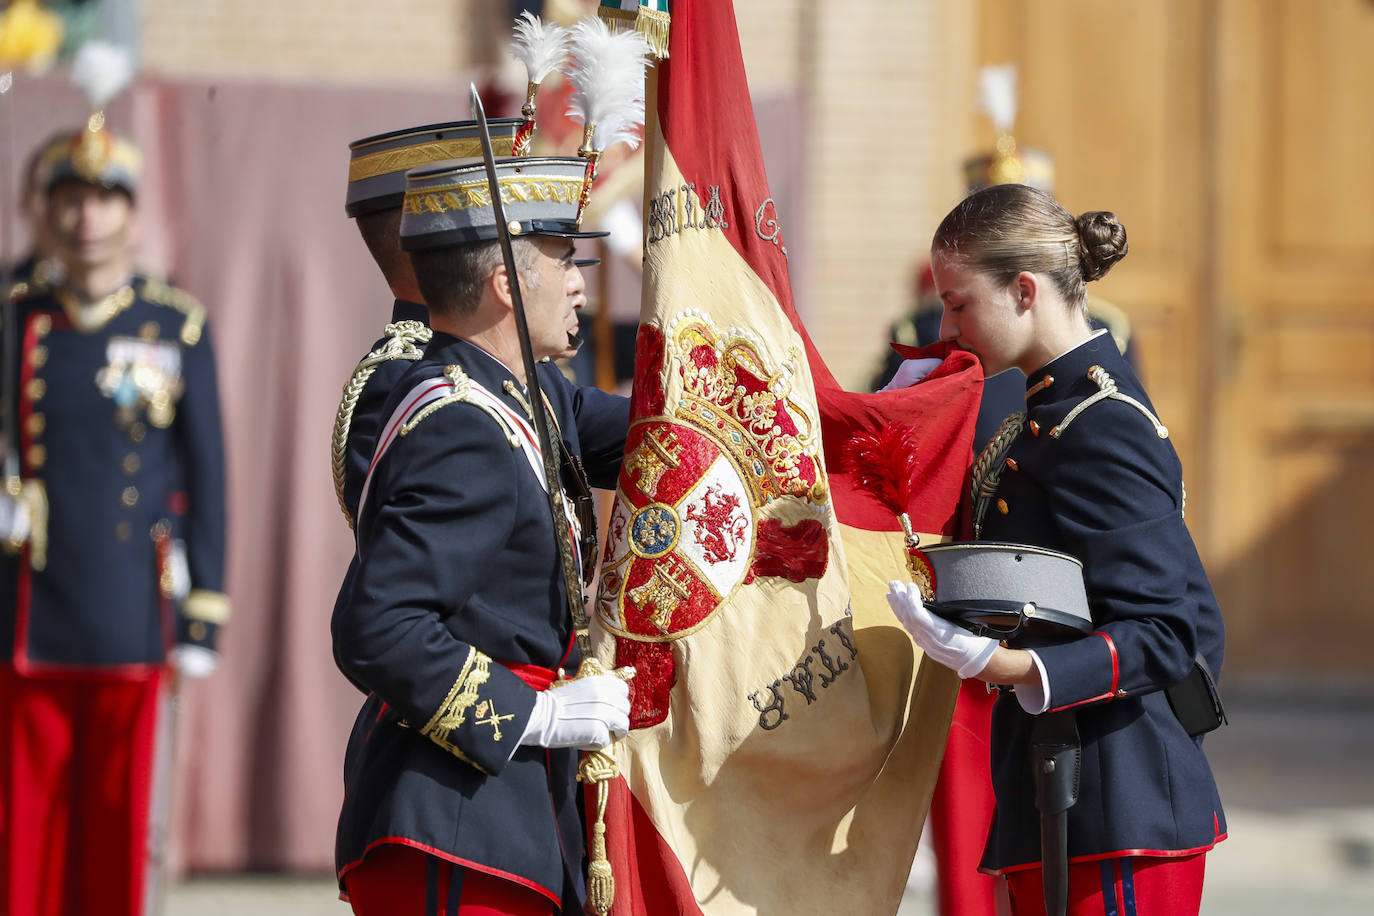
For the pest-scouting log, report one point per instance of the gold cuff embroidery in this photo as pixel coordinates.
(203, 604)
(462, 696)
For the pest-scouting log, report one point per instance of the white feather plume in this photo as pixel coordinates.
(102, 69)
(997, 95)
(541, 47)
(608, 82)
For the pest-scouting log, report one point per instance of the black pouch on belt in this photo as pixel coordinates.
(1195, 700)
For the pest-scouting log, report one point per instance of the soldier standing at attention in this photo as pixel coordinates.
(459, 775)
(1085, 469)
(115, 541)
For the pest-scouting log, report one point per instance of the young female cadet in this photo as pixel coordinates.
(1086, 470)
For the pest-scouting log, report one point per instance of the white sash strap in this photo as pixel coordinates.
(430, 390)
(424, 393)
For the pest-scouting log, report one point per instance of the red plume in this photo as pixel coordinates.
(885, 465)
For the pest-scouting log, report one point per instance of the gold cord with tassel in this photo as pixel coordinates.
(597, 769)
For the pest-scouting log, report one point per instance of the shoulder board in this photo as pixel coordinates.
(465, 391)
(160, 293)
(1106, 390)
(431, 395)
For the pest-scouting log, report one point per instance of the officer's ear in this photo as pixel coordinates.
(1027, 287)
(498, 282)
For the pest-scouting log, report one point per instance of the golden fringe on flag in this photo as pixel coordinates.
(649, 18)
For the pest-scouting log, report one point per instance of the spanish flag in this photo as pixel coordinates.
(786, 734)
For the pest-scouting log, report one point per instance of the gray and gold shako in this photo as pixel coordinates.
(377, 165)
(450, 204)
(93, 155)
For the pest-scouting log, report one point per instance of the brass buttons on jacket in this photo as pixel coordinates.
(129, 497)
(1034, 428)
(1002, 506)
(38, 357)
(137, 431)
(36, 456)
(131, 463)
(123, 531)
(35, 389)
(196, 630)
(35, 424)
(42, 324)
(1012, 465)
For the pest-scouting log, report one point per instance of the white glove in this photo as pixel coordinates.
(910, 372)
(14, 520)
(946, 642)
(587, 713)
(194, 662)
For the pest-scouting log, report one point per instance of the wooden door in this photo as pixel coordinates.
(1233, 138)
(1291, 482)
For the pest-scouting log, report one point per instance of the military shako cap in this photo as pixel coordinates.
(377, 165)
(450, 203)
(93, 155)
(1009, 590)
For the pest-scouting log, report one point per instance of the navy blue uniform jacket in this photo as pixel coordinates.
(1105, 487)
(457, 579)
(121, 424)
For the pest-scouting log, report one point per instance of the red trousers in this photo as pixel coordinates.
(397, 880)
(76, 764)
(1128, 886)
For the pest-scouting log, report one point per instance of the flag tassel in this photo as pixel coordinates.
(597, 769)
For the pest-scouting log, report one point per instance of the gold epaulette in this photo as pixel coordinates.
(462, 394)
(402, 340)
(161, 293)
(1106, 389)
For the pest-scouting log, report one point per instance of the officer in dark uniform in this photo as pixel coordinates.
(1085, 469)
(116, 540)
(459, 774)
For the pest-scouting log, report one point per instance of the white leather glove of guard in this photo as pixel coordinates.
(910, 372)
(14, 519)
(946, 642)
(194, 662)
(588, 714)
